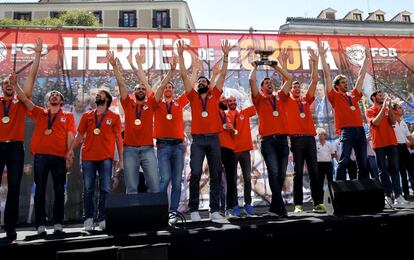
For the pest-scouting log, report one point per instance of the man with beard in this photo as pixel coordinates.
(348, 117)
(228, 159)
(138, 135)
(381, 120)
(12, 112)
(54, 132)
(242, 146)
(100, 129)
(205, 127)
(271, 109)
(302, 138)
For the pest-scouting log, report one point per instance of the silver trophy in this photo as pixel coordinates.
(264, 57)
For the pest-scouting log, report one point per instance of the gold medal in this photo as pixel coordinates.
(204, 114)
(352, 108)
(96, 131)
(275, 113)
(48, 131)
(169, 117)
(302, 115)
(137, 121)
(5, 119)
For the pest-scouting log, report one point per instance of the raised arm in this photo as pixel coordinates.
(183, 72)
(252, 80)
(197, 67)
(23, 98)
(28, 84)
(216, 72)
(362, 72)
(287, 85)
(225, 47)
(167, 78)
(123, 91)
(326, 70)
(385, 105)
(314, 59)
(283, 57)
(139, 58)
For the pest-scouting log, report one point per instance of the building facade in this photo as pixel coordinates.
(157, 14)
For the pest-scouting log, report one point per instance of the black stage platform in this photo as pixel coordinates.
(265, 236)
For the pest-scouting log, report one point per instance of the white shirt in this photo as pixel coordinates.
(324, 152)
(401, 131)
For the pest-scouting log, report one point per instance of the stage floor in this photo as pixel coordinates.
(238, 235)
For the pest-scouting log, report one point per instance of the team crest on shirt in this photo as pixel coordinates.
(304, 102)
(145, 107)
(349, 94)
(63, 119)
(15, 101)
(176, 104)
(241, 117)
(109, 121)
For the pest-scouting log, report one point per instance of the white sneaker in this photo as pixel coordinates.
(388, 200)
(58, 228)
(172, 218)
(400, 201)
(195, 216)
(41, 230)
(88, 224)
(102, 225)
(216, 216)
(298, 209)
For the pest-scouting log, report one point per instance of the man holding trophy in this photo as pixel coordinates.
(270, 108)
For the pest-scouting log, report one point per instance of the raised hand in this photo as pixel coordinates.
(367, 53)
(197, 63)
(111, 58)
(140, 57)
(322, 50)
(13, 79)
(225, 47)
(180, 47)
(283, 56)
(313, 56)
(173, 62)
(39, 45)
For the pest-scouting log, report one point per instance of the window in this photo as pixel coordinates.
(161, 19)
(406, 18)
(98, 16)
(22, 16)
(330, 15)
(380, 17)
(357, 17)
(55, 14)
(128, 19)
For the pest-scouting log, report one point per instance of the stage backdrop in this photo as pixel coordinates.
(74, 63)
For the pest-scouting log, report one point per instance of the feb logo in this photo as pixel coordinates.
(356, 54)
(3, 51)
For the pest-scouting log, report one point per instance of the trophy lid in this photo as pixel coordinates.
(264, 52)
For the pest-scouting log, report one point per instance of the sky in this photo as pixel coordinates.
(270, 14)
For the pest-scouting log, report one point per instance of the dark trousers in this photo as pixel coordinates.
(373, 167)
(325, 170)
(304, 150)
(243, 158)
(406, 164)
(387, 159)
(352, 170)
(229, 163)
(353, 138)
(275, 152)
(12, 156)
(43, 164)
(205, 146)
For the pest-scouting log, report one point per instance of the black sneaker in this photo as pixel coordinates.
(11, 236)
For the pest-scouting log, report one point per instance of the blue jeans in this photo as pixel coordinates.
(275, 152)
(144, 156)
(12, 156)
(353, 138)
(170, 166)
(202, 146)
(56, 165)
(89, 169)
(387, 159)
(373, 167)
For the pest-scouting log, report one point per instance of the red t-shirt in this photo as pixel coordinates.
(269, 124)
(99, 147)
(56, 142)
(226, 136)
(14, 129)
(205, 125)
(174, 128)
(297, 124)
(243, 139)
(344, 115)
(382, 135)
(138, 135)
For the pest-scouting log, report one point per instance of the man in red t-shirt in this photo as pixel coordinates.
(271, 110)
(348, 116)
(100, 130)
(138, 135)
(54, 131)
(12, 112)
(381, 119)
(302, 138)
(205, 127)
